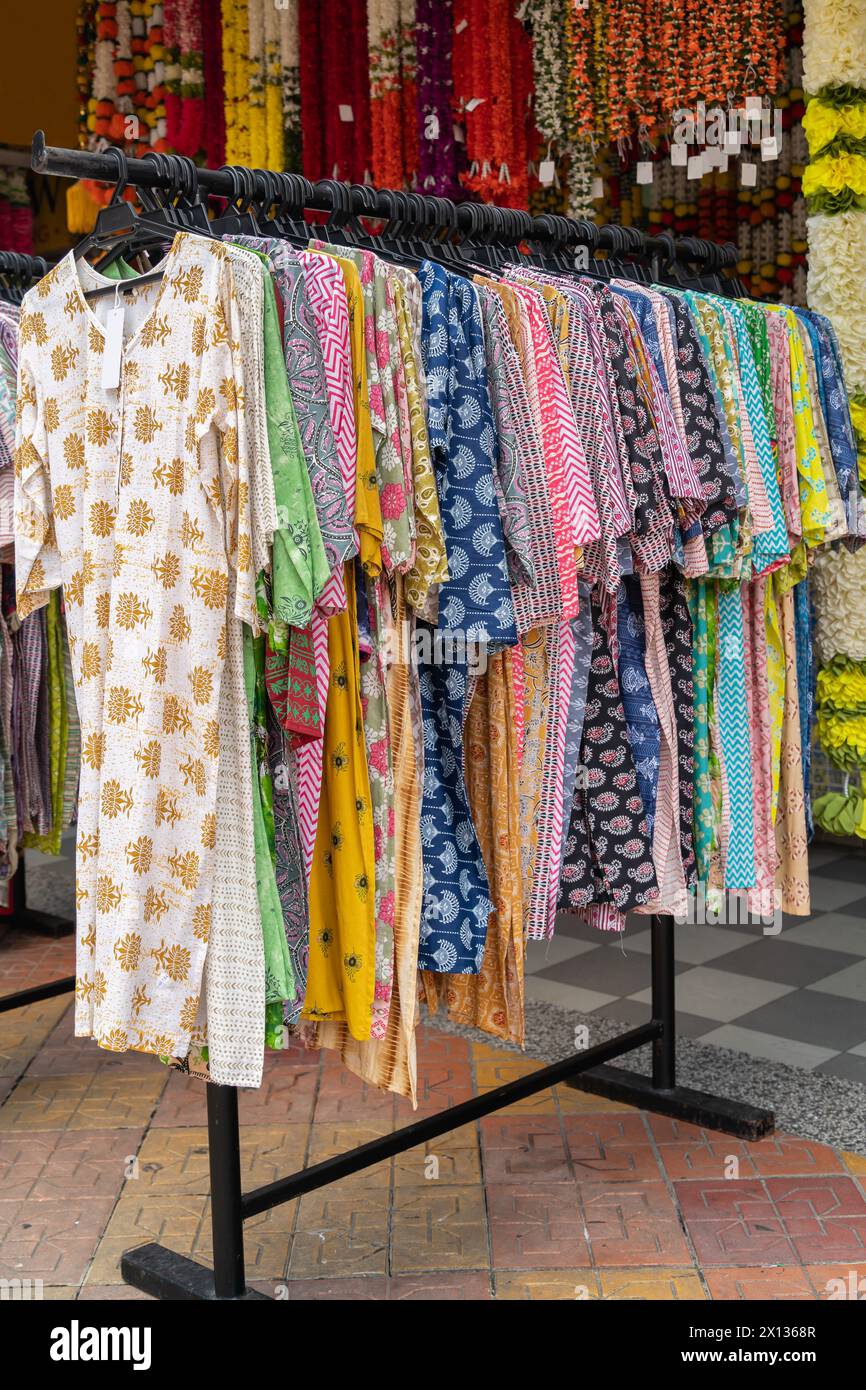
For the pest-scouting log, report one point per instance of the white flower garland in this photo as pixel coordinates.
(834, 44)
(837, 258)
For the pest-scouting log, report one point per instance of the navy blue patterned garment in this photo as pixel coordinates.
(475, 616)
(641, 718)
(806, 677)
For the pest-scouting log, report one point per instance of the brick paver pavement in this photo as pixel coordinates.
(563, 1196)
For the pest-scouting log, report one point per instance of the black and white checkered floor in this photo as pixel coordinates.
(798, 997)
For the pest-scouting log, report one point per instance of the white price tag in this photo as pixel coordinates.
(112, 349)
(346, 113)
(476, 101)
(644, 171)
(464, 24)
(546, 171)
(731, 142)
(748, 175)
(769, 148)
(679, 155)
(597, 190)
(754, 104)
(695, 166)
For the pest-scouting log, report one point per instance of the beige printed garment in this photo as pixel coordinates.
(137, 500)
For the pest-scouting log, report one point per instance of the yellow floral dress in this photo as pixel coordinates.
(341, 976)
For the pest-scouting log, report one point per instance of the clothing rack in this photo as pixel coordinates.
(20, 917)
(164, 1274)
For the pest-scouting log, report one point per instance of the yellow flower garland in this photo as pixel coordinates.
(235, 39)
(835, 173)
(824, 122)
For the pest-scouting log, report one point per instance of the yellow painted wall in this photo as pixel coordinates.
(37, 87)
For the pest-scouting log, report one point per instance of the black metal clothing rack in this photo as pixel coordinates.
(24, 918)
(167, 1275)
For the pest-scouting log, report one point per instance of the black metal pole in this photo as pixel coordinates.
(37, 994)
(665, 1045)
(225, 1187)
(342, 1165)
(367, 201)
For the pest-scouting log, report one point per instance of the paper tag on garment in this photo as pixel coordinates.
(679, 155)
(546, 171)
(748, 175)
(644, 171)
(346, 113)
(113, 348)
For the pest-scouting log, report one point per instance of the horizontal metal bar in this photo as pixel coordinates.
(371, 202)
(365, 1155)
(36, 994)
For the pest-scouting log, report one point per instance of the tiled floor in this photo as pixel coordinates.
(563, 1196)
(798, 997)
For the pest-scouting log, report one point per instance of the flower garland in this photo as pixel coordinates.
(107, 121)
(335, 89)
(274, 129)
(171, 41)
(409, 88)
(16, 212)
(148, 69)
(235, 61)
(834, 73)
(190, 22)
(183, 41)
(255, 90)
(311, 96)
(85, 26)
(438, 148)
(383, 40)
(492, 83)
(213, 106)
(291, 86)
(842, 813)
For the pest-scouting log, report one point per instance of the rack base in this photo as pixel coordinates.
(680, 1103)
(166, 1275)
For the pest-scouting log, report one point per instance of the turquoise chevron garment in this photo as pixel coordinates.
(733, 713)
(770, 548)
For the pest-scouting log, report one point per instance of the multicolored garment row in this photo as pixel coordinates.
(39, 736)
(408, 608)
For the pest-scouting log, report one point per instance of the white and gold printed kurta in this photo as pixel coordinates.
(137, 500)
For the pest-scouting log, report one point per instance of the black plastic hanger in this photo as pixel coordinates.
(116, 229)
(237, 220)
